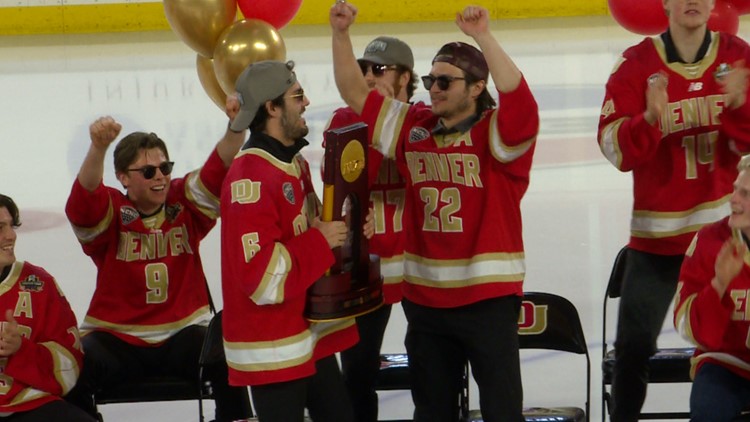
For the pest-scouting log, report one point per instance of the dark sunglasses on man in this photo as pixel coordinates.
(148, 171)
(443, 81)
(377, 69)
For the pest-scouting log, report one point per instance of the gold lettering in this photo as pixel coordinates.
(245, 191)
(465, 139)
(351, 167)
(161, 245)
(673, 117)
(134, 246)
(690, 113)
(131, 247)
(702, 111)
(415, 167)
(430, 167)
(462, 169)
(23, 306)
(471, 170)
(148, 246)
(185, 238)
(441, 163)
(739, 297)
(174, 242)
(715, 105)
(455, 162)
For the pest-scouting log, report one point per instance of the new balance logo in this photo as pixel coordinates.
(695, 86)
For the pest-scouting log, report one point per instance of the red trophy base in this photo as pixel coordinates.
(337, 296)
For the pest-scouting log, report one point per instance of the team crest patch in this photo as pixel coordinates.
(288, 192)
(128, 215)
(722, 70)
(418, 134)
(172, 211)
(32, 283)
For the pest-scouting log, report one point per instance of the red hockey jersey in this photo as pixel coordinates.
(683, 168)
(462, 218)
(150, 282)
(269, 259)
(718, 327)
(47, 365)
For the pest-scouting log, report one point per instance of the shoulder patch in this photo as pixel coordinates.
(288, 192)
(418, 134)
(32, 283)
(128, 214)
(722, 70)
(172, 211)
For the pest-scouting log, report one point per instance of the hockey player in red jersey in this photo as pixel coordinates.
(40, 349)
(674, 114)
(712, 310)
(388, 65)
(467, 168)
(150, 308)
(274, 246)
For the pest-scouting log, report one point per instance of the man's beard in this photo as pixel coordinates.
(292, 131)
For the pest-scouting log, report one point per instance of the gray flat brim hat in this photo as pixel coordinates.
(260, 82)
(388, 51)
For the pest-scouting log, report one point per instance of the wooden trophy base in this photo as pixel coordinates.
(337, 296)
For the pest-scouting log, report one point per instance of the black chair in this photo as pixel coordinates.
(394, 375)
(670, 365)
(162, 388)
(551, 322)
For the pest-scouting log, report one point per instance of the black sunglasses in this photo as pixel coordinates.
(377, 69)
(443, 81)
(149, 171)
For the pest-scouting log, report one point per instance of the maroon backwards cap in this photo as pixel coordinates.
(465, 57)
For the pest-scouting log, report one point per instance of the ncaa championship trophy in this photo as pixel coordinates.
(353, 286)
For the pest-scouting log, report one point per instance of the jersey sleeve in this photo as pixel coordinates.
(268, 268)
(625, 138)
(736, 123)
(51, 360)
(386, 119)
(201, 190)
(91, 215)
(700, 316)
(514, 127)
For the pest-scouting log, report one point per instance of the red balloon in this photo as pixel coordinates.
(276, 12)
(742, 6)
(724, 18)
(645, 17)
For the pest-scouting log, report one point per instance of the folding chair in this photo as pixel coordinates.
(394, 375)
(551, 322)
(162, 388)
(666, 366)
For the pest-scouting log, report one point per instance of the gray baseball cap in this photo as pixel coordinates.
(389, 50)
(260, 82)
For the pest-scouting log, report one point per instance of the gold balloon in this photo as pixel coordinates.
(246, 41)
(206, 75)
(199, 23)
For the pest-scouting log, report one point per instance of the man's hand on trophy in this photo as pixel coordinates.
(369, 227)
(335, 232)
